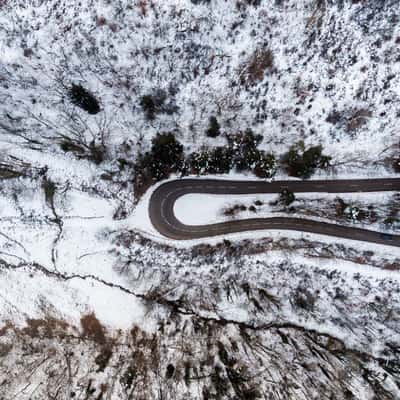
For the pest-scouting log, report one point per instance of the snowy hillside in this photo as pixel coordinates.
(102, 100)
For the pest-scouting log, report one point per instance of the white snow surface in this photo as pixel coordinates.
(194, 53)
(201, 209)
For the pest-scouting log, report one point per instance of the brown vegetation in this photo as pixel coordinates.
(254, 70)
(45, 327)
(101, 21)
(93, 329)
(192, 354)
(357, 119)
(396, 165)
(142, 5)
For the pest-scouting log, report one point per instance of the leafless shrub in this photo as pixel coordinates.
(304, 299)
(13, 167)
(143, 5)
(93, 329)
(241, 5)
(232, 211)
(5, 349)
(207, 252)
(357, 119)
(44, 327)
(7, 326)
(395, 266)
(315, 19)
(101, 20)
(6, 172)
(113, 26)
(75, 134)
(221, 359)
(49, 188)
(340, 206)
(254, 69)
(91, 151)
(103, 358)
(396, 165)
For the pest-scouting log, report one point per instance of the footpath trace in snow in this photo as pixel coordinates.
(161, 208)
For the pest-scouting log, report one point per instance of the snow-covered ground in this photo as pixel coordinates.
(74, 242)
(200, 209)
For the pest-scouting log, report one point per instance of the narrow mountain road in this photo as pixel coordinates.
(161, 208)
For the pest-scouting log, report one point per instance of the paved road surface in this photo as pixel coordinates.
(161, 208)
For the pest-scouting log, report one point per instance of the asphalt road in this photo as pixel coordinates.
(161, 208)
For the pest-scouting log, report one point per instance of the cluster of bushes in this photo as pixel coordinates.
(353, 212)
(242, 154)
(166, 157)
(156, 103)
(391, 222)
(302, 162)
(286, 197)
(213, 161)
(84, 99)
(247, 157)
(350, 120)
(234, 210)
